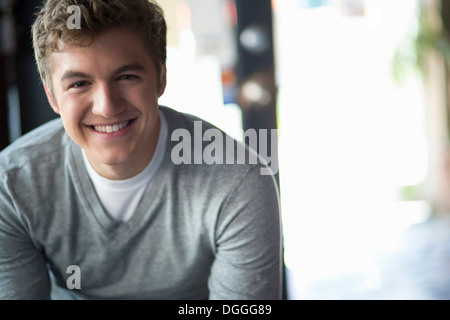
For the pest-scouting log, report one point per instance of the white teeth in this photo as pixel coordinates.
(113, 128)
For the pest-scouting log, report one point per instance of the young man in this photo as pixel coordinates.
(92, 205)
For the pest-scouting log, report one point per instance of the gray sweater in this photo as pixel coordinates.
(200, 232)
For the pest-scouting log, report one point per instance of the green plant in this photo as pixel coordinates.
(425, 37)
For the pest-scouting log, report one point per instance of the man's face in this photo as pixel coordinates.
(107, 96)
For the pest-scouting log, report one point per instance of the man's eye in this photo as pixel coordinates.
(79, 84)
(127, 77)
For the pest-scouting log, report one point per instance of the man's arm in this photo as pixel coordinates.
(248, 263)
(23, 269)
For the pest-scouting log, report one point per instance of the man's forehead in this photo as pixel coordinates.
(69, 56)
(86, 41)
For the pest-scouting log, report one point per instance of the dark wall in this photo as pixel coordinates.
(7, 50)
(4, 138)
(257, 63)
(29, 108)
(34, 107)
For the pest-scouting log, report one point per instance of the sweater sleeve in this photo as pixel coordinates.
(23, 270)
(248, 262)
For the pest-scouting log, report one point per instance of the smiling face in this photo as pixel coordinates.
(107, 95)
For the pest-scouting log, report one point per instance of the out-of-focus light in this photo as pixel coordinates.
(183, 15)
(275, 6)
(256, 91)
(230, 13)
(255, 39)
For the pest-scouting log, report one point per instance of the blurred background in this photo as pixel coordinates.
(359, 93)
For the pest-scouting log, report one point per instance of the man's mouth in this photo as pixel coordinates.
(112, 128)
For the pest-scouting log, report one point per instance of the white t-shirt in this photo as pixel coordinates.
(121, 197)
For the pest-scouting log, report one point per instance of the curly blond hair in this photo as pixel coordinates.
(145, 17)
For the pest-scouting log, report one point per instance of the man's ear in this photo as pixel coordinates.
(50, 99)
(163, 82)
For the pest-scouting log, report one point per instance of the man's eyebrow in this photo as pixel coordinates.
(130, 67)
(74, 74)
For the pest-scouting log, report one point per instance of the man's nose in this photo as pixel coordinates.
(106, 102)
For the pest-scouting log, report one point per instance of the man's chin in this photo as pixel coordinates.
(114, 161)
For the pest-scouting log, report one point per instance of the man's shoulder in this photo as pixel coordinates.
(180, 120)
(209, 153)
(38, 145)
